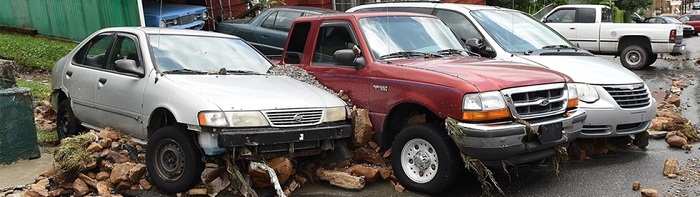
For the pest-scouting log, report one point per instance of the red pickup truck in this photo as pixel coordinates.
(412, 73)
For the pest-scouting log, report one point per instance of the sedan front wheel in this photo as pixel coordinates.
(173, 160)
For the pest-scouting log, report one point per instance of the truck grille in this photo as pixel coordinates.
(629, 96)
(538, 101)
(289, 118)
(187, 19)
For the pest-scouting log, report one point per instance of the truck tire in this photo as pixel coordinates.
(173, 160)
(425, 159)
(634, 57)
(66, 123)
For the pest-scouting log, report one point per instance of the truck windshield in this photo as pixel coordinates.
(407, 34)
(517, 32)
(199, 54)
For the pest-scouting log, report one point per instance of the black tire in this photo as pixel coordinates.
(641, 139)
(173, 160)
(652, 59)
(444, 152)
(66, 123)
(634, 57)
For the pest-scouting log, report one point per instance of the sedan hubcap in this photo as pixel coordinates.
(170, 160)
(419, 160)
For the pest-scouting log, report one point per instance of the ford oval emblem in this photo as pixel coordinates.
(544, 102)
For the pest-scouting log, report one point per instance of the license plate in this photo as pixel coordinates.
(550, 132)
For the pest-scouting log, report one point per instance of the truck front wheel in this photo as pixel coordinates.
(425, 159)
(173, 160)
(634, 57)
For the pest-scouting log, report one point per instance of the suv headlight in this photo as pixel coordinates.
(212, 119)
(247, 119)
(572, 96)
(334, 114)
(484, 106)
(586, 93)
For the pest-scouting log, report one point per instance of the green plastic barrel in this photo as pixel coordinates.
(17, 132)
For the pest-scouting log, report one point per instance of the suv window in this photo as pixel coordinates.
(284, 20)
(330, 39)
(269, 21)
(125, 48)
(456, 22)
(586, 15)
(94, 53)
(562, 16)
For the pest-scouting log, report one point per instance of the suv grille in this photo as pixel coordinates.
(629, 96)
(538, 101)
(288, 118)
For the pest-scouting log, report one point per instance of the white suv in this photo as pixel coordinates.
(617, 101)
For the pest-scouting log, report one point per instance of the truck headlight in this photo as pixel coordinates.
(484, 106)
(247, 119)
(205, 16)
(334, 114)
(212, 119)
(572, 96)
(586, 93)
(161, 23)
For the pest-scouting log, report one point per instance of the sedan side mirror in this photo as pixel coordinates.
(347, 57)
(128, 66)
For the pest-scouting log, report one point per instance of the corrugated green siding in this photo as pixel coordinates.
(72, 19)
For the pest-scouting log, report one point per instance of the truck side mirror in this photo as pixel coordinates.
(347, 57)
(128, 66)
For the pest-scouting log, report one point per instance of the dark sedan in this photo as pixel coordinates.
(692, 20)
(268, 31)
(688, 30)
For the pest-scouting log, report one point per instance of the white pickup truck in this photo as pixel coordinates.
(591, 28)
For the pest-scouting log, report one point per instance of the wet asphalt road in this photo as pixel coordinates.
(602, 175)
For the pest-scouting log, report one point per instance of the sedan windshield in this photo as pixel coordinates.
(407, 36)
(199, 55)
(517, 32)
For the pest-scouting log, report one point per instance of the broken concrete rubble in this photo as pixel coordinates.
(341, 179)
(636, 185)
(649, 193)
(670, 166)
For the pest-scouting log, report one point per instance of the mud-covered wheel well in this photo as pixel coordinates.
(641, 41)
(160, 118)
(405, 115)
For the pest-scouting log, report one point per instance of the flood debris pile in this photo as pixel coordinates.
(688, 177)
(95, 163)
(669, 124)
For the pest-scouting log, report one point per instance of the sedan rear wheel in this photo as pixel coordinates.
(66, 123)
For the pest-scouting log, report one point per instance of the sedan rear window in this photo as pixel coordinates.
(207, 54)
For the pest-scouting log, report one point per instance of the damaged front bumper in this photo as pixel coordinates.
(274, 139)
(493, 143)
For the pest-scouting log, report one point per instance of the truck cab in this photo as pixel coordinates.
(430, 100)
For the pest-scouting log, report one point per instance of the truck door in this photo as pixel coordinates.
(563, 21)
(333, 36)
(588, 29)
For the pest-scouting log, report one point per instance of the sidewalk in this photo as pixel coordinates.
(24, 171)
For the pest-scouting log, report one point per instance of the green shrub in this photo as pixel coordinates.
(33, 51)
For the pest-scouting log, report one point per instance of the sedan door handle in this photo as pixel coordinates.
(103, 80)
(69, 73)
(572, 28)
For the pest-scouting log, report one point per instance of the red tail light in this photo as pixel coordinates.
(672, 37)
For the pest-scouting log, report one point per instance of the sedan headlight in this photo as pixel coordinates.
(247, 119)
(484, 106)
(572, 96)
(334, 114)
(586, 93)
(212, 119)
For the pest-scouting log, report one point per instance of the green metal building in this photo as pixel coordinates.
(70, 19)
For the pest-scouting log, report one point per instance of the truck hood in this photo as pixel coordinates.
(171, 11)
(585, 69)
(486, 74)
(255, 92)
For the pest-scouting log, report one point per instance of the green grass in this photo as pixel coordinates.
(33, 51)
(46, 137)
(40, 91)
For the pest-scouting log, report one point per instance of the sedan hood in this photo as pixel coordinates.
(585, 69)
(255, 92)
(486, 74)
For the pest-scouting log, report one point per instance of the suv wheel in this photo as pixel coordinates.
(66, 123)
(425, 159)
(634, 57)
(173, 160)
